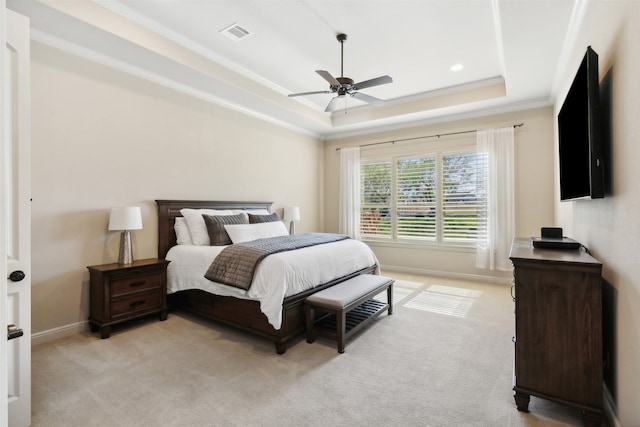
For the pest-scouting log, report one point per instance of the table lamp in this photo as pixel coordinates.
(125, 219)
(292, 214)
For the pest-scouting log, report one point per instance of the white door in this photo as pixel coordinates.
(16, 206)
(3, 227)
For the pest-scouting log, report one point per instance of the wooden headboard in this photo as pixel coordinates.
(169, 210)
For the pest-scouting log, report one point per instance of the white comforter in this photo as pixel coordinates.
(277, 276)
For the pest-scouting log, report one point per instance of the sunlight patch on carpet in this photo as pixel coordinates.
(446, 300)
(401, 289)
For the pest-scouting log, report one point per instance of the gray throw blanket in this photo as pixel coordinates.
(236, 264)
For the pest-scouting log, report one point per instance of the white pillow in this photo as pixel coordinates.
(247, 232)
(196, 225)
(182, 232)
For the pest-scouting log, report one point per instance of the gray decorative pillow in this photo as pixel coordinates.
(255, 219)
(215, 227)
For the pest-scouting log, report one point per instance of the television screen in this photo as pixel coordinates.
(581, 168)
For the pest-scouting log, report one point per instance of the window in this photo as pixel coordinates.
(375, 214)
(464, 196)
(416, 198)
(438, 198)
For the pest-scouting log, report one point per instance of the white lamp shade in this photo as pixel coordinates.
(129, 218)
(292, 214)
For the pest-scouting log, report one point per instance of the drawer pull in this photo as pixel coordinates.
(137, 303)
(139, 283)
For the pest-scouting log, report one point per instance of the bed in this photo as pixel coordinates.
(229, 307)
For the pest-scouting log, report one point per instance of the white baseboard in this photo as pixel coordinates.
(447, 274)
(60, 332)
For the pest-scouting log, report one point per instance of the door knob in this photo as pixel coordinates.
(17, 276)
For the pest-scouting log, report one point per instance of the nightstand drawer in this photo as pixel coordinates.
(139, 302)
(137, 283)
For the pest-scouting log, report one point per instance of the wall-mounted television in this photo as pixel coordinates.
(579, 135)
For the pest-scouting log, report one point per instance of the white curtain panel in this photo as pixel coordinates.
(493, 249)
(350, 192)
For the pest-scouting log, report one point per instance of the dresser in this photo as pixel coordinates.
(558, 328)
(121, 292)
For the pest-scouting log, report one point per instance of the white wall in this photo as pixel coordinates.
(610, 227)
(534, 189)
(102, 138)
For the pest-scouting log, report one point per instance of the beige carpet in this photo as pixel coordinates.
(444, 358)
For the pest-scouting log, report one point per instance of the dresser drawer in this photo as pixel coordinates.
(141, 282)
(135, 303)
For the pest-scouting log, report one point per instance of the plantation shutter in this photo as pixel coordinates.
(375, 217)
(416, 198)
(436, 198)
(464, 197)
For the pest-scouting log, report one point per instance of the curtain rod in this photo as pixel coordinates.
(437, 135)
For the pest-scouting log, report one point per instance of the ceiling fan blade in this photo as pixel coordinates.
(310, 93)
(328, 77)
(333, 104)
(367, 98)
(382, 80)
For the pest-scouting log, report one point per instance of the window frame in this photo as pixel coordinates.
(439, 239)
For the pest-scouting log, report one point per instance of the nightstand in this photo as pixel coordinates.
(121, 292)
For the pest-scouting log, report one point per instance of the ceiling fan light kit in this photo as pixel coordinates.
(343, 86)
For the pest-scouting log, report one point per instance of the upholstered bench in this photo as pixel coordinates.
(348, 306)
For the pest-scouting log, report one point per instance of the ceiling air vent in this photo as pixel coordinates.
(236, 32)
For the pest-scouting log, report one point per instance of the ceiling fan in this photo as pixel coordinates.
(344, 86)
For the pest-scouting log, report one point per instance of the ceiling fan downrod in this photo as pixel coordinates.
(342, 38)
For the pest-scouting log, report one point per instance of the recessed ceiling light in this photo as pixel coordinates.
(457, 67)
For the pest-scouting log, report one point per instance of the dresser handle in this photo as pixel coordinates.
(137, 303)
(513, 297)
(140, 283)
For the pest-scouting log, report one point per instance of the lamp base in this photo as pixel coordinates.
(292, 227)
(126, 250)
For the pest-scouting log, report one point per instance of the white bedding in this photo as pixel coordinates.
(277, 276)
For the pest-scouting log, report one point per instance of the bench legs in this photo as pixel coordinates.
(364, 312)
(341, 324)
(310, 321)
